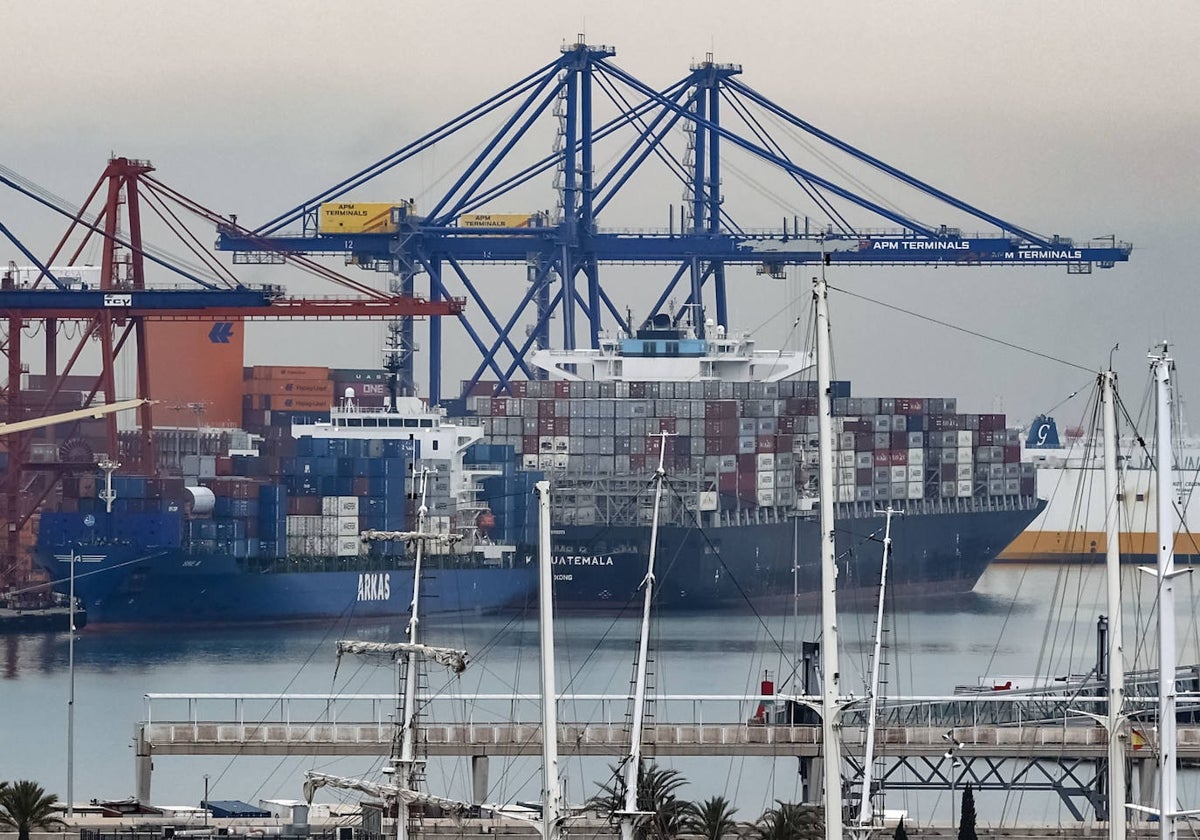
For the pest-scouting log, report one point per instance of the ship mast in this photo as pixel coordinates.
(552, 801)
(830, 669)
(1162, 365)
(630, 815)
(1114, 655)
(404, 768)
(865, 814)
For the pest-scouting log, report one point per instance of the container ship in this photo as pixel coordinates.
(739, 526)
(1069, 470)
(272, 522)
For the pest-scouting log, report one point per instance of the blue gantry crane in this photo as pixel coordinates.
(831, 214)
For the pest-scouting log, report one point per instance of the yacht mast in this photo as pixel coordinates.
(1115, 654)
(552, 804)
(865, 813)
(1162, 366)
(630, 815)
(830, 670)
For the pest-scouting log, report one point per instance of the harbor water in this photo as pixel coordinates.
(1019, 621)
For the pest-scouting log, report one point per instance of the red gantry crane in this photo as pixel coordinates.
(113, 311)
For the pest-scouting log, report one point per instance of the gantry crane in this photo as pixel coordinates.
(715, 114)
(117, 310)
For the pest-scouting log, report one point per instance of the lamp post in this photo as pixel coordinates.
(205, 803)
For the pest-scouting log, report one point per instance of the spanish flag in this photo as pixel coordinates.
(1137, 739)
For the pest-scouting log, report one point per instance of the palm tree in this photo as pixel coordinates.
(790, 821)
(25, 805)
(712, 819)
(656, 796)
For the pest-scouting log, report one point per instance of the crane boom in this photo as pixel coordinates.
(71, 416)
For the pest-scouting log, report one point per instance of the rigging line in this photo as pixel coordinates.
(965, 330)
(818, 198)
(188, 239)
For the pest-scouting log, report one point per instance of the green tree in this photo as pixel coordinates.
(900, 833)
(24, 806)
(711, 819)
(657, 797)
(966, 824)
(790, 821)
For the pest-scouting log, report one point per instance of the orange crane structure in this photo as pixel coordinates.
(114, 312)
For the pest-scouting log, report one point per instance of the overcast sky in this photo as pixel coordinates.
(1076, 118)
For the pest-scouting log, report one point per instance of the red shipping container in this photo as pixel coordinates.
(1012, 454)
(747, 463)
(499, 407)
(883, 458)
(562, 426)
(899, 457)
(787, 425)
(562, 388)
(667, 424)
(764, 443)
(546, 426)
(1027, 486)
(864, 477)
(545, 409)
(949, 472)
(984, 438)
(269, 372)
(518, 388)
(899, 440)
(637, 390)
(529, 445)
(727, 482)
(864, 442)
(653, 444)
(784, 443)
(224, 465)
(637, 464)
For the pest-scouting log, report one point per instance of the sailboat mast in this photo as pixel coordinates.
(1162, 365)
(408, 716)
(865, 814)
(830, 670)
(1115, 653)
(552, 805)
(633, 764)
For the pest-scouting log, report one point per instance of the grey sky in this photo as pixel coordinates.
(1077, 118)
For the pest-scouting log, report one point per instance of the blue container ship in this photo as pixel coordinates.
(279, 534)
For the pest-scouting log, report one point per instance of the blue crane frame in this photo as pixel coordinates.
(571, 250)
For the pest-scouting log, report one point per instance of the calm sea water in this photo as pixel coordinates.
(1019, 621)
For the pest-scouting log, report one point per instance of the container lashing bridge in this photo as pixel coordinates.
(597, 107)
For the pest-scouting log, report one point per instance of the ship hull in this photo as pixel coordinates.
(1071, 529)
(751, 566)
(139, 585)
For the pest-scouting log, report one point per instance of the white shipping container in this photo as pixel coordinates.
(545, 462)
(916, 456)
(845, 477)
(899, 422)
(846, 459)
(561, 461)
(766, 496)
(916, 490)
(707, 501)
(562, 444)
(295, 545)
(329, 505)
(766, 479)
(765, 461)
(348, 526)
(966, 439)
(915, 473)
(950, 455)
(899, 489)
(546, 445)
(787, 478)
(845, 440)
(327, 545)
(965, 455)
(899, 474)
(845, 494)
(727, 463)
(964, 472)
(966, 489)
(348, 547)
(864, 460)
(347, 506)
(529, 462)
